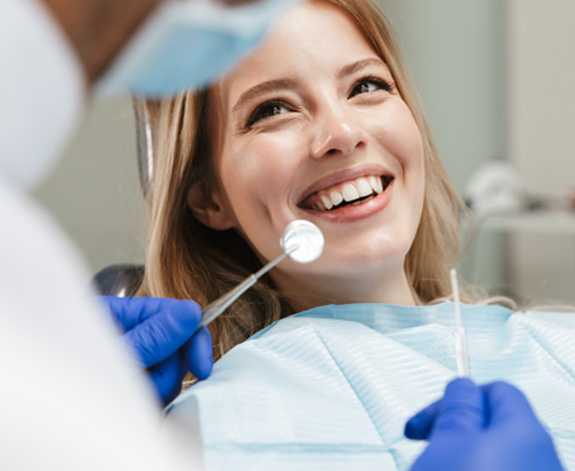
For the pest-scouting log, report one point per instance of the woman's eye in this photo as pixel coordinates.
(367, 85)
(265, 110)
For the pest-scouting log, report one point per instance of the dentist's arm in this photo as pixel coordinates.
(487, 428)
(163, 334)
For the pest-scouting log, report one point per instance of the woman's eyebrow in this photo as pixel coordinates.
(261, 88)
(284, 84)
(359, 65)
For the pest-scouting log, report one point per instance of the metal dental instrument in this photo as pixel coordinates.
(301, 240)
(460, 338)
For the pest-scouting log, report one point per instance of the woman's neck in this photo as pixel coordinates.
(389, 288)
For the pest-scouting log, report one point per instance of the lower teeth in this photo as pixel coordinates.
(363, 200)
(353, 203)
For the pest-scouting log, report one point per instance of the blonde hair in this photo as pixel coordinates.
(187, 260)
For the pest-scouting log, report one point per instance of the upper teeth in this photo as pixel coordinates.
(348, 192)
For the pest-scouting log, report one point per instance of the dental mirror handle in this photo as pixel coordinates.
(215, 308)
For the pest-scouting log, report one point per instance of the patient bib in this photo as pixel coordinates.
(331, 388)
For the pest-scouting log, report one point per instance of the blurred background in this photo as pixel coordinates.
(496, 81)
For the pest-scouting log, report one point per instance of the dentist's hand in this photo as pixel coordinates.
(162, 334)
(482, 428)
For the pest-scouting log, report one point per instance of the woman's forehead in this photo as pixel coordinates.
(312, 38)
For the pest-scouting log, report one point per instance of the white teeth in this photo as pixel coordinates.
(350, 192)
(363, 187)
(378, 186)
(327, 202)
(373, 182)
(336, 197)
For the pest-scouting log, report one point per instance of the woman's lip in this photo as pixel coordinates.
(352, 213)
(343, 176)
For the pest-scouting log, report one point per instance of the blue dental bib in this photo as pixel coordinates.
(331, 388)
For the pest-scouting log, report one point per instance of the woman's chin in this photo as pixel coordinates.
(375, 254)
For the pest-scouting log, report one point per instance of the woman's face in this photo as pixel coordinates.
(311, 126)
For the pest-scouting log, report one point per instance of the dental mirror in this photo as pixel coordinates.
(301, 240)
(308, 239)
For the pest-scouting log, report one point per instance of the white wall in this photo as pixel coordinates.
(95, 192)
(456, 51)
(541, 127)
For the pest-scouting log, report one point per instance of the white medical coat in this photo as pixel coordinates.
(69, 397)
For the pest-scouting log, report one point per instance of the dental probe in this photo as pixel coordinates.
(301, 240)
(460, 339)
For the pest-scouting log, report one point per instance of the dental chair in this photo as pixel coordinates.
(125, 279)
(119, 280)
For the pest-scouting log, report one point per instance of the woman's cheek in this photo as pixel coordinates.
(411, 139)
(277, 154)
(396, 130)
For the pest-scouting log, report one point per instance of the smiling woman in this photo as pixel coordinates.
(321, 123)
(330, 133)
(328, 118)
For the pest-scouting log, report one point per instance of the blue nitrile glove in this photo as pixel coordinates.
(162, 333)
(482, 428)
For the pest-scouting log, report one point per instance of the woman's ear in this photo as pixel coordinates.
(207, 208)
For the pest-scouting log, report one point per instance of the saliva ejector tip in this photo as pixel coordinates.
(303, 241)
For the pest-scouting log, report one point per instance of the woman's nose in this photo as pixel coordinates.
(336, 133)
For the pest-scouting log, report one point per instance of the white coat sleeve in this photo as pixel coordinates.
(42, 91)
(70, 398)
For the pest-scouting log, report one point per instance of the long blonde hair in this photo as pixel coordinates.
(188, 260)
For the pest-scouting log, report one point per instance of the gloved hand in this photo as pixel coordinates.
(162, 334)
(482, 428)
